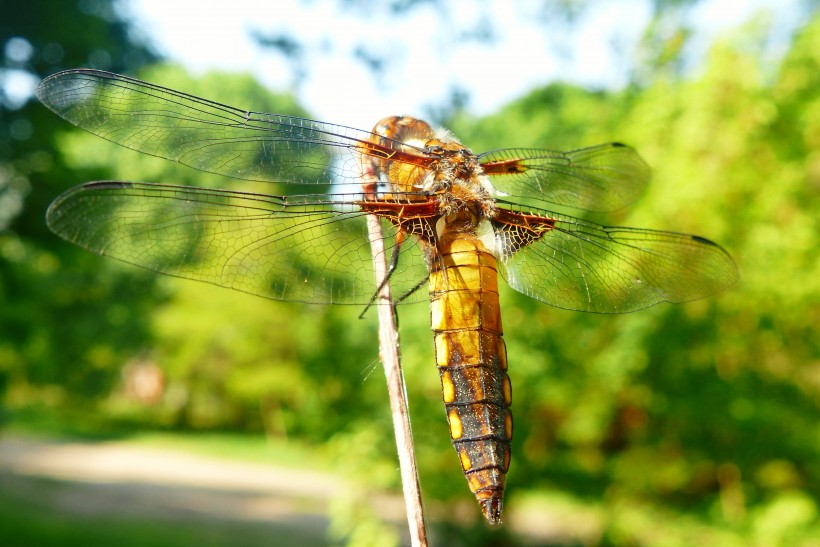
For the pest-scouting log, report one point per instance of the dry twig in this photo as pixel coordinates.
(391, 360)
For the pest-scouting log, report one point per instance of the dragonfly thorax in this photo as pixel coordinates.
(453, 164)
(466, 197)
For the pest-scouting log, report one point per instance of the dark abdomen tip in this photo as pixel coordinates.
(491, 507)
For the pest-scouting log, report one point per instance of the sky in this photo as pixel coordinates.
(429, 51)
(426, 48)
(427, 58)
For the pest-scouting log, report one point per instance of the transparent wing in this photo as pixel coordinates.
(601, 178)
(211, 136)
(304, 248)
(579, 265)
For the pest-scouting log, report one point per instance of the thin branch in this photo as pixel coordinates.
(391, 360)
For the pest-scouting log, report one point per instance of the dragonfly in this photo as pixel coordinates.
(452, 219)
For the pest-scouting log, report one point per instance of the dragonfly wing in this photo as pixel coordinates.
(579, 265)
(207, 135)
(302, 248)
(601, 178)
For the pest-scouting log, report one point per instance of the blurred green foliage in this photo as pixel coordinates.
(690, 424)
(43, 318)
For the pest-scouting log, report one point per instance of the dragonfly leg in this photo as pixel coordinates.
(391, 267)
(412, 291)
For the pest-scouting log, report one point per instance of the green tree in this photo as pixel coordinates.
(692, 421)
(51, 333)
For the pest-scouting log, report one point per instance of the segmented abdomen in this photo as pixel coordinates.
(472, 362)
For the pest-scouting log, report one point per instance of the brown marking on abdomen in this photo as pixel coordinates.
(472, 362)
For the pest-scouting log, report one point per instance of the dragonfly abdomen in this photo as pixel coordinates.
(472, 362)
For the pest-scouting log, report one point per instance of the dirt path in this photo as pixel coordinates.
(118, 479)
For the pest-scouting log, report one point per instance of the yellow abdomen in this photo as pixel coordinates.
(472, 362)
